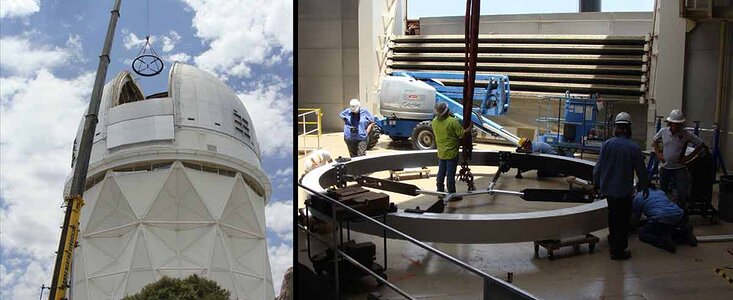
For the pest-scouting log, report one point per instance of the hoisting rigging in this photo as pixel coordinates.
(469, 79)
(147, 63)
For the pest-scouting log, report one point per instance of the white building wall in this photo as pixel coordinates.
(606, 23)
(175, 187)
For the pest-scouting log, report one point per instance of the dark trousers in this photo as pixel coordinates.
(356, 147)
(447, 167)
(619, 217)
(679, 177)
(656, 234)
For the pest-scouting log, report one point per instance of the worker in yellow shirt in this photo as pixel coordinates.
(448, 133)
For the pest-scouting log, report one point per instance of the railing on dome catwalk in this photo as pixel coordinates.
(575, 123)
(309, 129)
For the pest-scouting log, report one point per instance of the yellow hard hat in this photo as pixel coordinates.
(523, 141)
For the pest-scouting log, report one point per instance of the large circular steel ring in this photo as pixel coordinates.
(147, 65)
(477, 228)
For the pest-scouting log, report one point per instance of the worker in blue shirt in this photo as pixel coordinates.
(358, 123)
(664, 221)
(527, 146)
(613, 177)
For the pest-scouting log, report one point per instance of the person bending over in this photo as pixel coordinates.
(528, 146)
(664, 221)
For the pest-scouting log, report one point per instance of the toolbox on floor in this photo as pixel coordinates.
(358, 198)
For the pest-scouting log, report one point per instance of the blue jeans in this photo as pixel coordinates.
(447, 166)
(679, 176)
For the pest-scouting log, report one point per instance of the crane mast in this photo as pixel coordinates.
(74, 202)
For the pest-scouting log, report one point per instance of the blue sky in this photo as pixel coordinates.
(435, 8)
(49, 55)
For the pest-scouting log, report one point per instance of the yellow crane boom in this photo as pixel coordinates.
(69, 236)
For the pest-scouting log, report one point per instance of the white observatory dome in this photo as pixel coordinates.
(175, 187)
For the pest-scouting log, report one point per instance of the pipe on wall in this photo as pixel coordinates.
(722, 72)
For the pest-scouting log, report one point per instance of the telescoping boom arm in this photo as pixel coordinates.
(74, 202)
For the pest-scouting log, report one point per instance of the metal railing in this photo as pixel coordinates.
(493, 288)
(307, 118)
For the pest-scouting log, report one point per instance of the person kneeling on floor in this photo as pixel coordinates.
(664, 221)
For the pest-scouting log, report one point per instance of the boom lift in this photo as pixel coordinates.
(407, 100)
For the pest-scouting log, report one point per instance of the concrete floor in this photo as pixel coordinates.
(650, 274)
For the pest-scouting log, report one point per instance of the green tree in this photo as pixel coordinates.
(191, 288)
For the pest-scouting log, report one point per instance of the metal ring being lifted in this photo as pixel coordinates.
(478, 228)
(147, 65)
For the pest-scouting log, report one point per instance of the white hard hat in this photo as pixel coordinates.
(354, 105)
(316, 159)
(623, 118)
(676, 116)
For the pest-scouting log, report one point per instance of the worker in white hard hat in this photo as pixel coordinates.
(613, 177)
(670, 145)
(358, 124)
(316, 159)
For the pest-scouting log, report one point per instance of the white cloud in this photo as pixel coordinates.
(182, 57)
(239, 40)
(10, 86)
(271, 110)
(170, 41)
(18, 8)
(279, 216)
(281, 258)
(40, 116)
(131, 41)
(19, 56)
(284, 172)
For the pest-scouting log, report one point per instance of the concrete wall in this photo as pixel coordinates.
(375, 25)
(702, 61)
(701, 73)
(328, 57)
(668, 63)
(608, 23)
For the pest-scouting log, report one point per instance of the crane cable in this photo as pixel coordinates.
(469, 79)
(148, 62)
